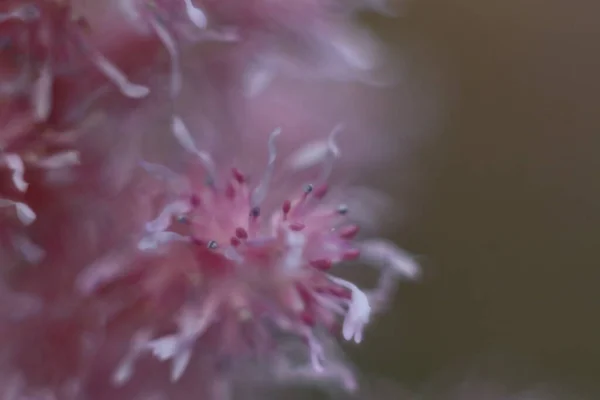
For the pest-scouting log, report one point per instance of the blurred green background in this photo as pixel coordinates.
(508, 218)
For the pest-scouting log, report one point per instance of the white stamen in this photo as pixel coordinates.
(29, 250)
(330, 303)
(333, 372)
(116, 76)
(162, 222)
(41, 95)
(166, 347)
(24, 13)
(159, 171)
(295, 248)
(25, 214)
(13, 14)
(60, 160)
(124, 370)
(131, 8)
(15, 163)
(169, 42)
(226, 34)
(180, 184)
(354, 54)
(333, 152)
(260, 192)
(308, 155)
(232, 254)
(172, 347)
(317, 353)
(185, 140)
(193, 324)
(179, 347)
(195, 14)
(358, 312)
(257, 79)
(100, 271)
(156, 239)
(316, 152)
(393, 262)
(180, 363)
(386, 255)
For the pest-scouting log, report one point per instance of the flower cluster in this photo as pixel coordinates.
(127, 277)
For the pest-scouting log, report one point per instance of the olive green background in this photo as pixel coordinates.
(508, 214)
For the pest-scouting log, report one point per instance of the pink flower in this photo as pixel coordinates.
(232, 267)
(139, 265)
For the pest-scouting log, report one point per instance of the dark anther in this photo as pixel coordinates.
(255, 212)
(212, 245)
(308, 188)
(342, 209)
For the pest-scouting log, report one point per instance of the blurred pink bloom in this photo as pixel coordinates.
(160, 232)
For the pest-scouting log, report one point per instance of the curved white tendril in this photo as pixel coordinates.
(182, 134)
(260, 192)
(170, 45)
(195, 14)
